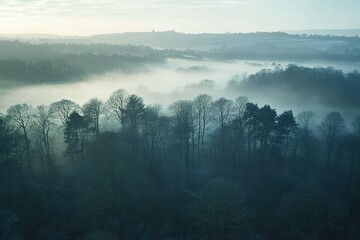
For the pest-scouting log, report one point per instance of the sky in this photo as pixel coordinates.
(87, 17)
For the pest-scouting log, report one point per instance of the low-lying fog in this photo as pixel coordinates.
(177, 79)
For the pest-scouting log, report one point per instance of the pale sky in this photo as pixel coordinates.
(86, 17)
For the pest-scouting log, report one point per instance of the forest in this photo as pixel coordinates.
(34, 61)
(327, 86)
(30, 64)
(179, 120)
(205, 168)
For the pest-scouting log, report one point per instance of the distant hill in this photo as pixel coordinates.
(331, 32)
(208, 41)
(57, 60)
(200, 42)
(171, 39)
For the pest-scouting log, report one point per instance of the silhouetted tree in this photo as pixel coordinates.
(133, 112)
(154, 127)
(62, 110)
(164, 195)
(183, 115)
(239, 123)
(266, 120)
(203, 108)
(12, 157)
(21, 115)
(75, 135)
(92, 111)
(285, 125)
(222, 111)
(305, 118)
(43, 124)
(251, 123)
(7, 139)
(305, 143)
(331, 128)
(117, 103)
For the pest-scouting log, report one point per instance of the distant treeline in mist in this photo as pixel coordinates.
(61, 63)
(232, 46)
(176, 40)
(282, 51)
(38, 72)
(11, 49)
(328, 86)
(201, 169)
(129, 51)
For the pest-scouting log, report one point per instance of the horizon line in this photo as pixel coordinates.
(164, 31)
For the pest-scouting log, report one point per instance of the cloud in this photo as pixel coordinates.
(185, 15)
(106, 7)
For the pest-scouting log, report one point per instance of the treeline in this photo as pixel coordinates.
(38, 72)
(328, 86)
(202, 169)
(243, 46)
(305, 51)
(71, 68)
(172, 39)
(61, 63)
(27, 51)
(104, 53)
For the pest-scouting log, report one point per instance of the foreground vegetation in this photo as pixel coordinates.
(201, 169)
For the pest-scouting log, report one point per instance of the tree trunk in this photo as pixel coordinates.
(27, 146)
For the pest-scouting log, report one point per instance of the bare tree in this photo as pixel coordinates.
(92, 111)
(331, 128)
(222, 111)
(62, 110)
(202, 107)
(12, 150)
(154, 125)
(183, 114)
(7, 138)
(240, 106)
(303, 132)
(304, 118)
(239, 122)
(43, 123)
(22, 115)
(117, 103)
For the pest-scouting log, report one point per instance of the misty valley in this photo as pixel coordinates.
(166, 135)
